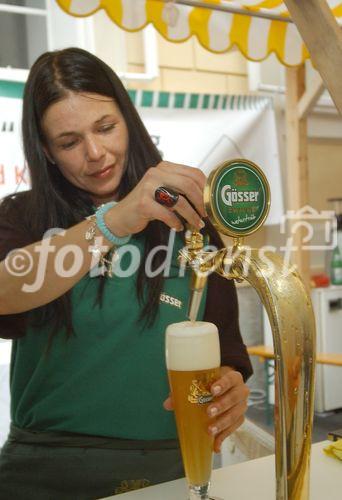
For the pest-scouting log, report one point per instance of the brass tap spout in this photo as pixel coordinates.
(202, 264)
(192, 255)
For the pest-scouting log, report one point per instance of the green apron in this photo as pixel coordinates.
(57, 466)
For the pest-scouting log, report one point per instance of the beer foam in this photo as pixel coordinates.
(192, 345)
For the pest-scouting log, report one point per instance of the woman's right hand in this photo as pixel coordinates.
(132, 214)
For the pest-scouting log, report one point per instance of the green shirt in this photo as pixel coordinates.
(110, 378)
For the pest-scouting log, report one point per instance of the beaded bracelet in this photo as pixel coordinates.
(100, 213)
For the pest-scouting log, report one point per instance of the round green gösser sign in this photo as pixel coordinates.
(239, 197)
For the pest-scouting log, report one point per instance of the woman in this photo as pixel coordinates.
(88, 377)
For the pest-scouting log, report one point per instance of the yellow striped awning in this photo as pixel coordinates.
(256, 27)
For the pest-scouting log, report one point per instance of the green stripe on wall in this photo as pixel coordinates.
(205, 104)
(193, 101)
(179, 100)
(163, 99)
(147, 99)
(133, 95)
(11, 89)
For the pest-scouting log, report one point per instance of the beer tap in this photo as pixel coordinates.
(202, 264)
(237, 199)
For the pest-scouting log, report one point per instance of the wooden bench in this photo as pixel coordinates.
(266, 352)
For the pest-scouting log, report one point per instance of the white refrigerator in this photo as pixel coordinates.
(327, 303)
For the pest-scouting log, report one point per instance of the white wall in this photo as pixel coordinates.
(5, 353)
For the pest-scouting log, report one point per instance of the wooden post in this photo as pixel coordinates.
(297, 162)
(310, 98)
(323, 38)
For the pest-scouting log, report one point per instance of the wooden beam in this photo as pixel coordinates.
(323, 38)
(310, 98)
(297, 187)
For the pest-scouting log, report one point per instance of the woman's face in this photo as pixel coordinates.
(87, 137)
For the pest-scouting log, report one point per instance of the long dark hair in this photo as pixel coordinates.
(53, 201)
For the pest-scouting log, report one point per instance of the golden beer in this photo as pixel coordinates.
(193, 360)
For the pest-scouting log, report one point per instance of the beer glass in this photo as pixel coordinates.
(193, 361)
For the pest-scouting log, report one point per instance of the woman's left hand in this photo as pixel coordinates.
(228, 407)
